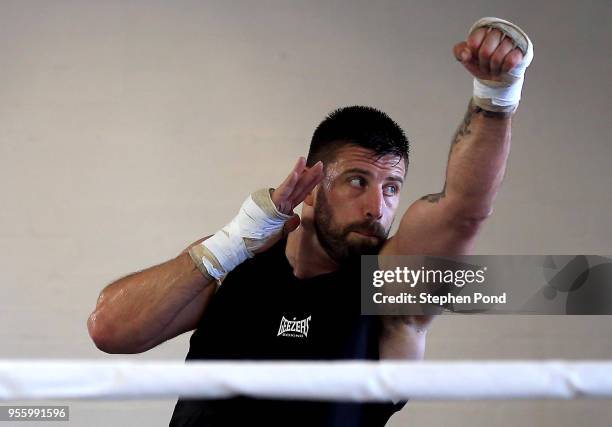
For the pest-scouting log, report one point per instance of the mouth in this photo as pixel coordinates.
(366, 234)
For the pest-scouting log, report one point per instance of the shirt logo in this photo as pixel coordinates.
(294, 328)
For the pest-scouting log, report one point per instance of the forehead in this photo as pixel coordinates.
(352, 156)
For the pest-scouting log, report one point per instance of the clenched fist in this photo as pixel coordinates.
(496, 53)
(487, 53)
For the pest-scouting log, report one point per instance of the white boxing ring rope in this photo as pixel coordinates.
(322, 380)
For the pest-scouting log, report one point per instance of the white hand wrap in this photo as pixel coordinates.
(503, 95)
(257, 221)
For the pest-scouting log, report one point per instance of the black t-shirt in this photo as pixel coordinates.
(263, 312)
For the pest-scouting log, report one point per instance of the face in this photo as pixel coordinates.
(355, 204)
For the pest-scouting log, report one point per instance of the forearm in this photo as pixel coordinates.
(146, 308)
(135, 310)
(477, 162)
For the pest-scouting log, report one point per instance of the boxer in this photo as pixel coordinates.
(273, 285)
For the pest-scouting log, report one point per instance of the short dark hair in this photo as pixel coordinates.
(365, 127)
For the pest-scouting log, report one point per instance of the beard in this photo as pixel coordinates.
(336, 240)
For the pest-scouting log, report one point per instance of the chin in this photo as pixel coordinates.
(365, 246)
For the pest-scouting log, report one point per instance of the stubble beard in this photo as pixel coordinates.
(337, 242)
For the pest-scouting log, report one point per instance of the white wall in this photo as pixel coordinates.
(110, 111)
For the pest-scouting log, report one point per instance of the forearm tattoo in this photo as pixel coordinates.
(462, 131)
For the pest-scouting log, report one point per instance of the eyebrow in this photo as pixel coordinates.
(368, 173)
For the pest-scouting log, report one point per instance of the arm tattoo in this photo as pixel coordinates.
(464, 127)
(435, 197)
(462, 131)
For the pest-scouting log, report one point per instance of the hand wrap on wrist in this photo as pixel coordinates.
(257, 221)
(503, 95)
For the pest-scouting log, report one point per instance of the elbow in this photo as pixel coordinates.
(105, 338)
(468, 213)
(471, 225)
(99, 334)
(470, 220)
(466, 230)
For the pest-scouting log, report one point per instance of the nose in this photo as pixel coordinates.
(373, 204)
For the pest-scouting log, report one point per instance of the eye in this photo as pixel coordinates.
(391, 190)
(357, 181)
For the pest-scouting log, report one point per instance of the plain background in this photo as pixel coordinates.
(129, 129)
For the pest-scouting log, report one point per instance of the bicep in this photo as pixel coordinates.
(432, 228)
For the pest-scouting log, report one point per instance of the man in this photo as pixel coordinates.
(271, 285)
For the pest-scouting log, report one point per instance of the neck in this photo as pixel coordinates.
(306, 255)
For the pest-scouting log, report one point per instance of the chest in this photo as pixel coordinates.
(282, 319)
